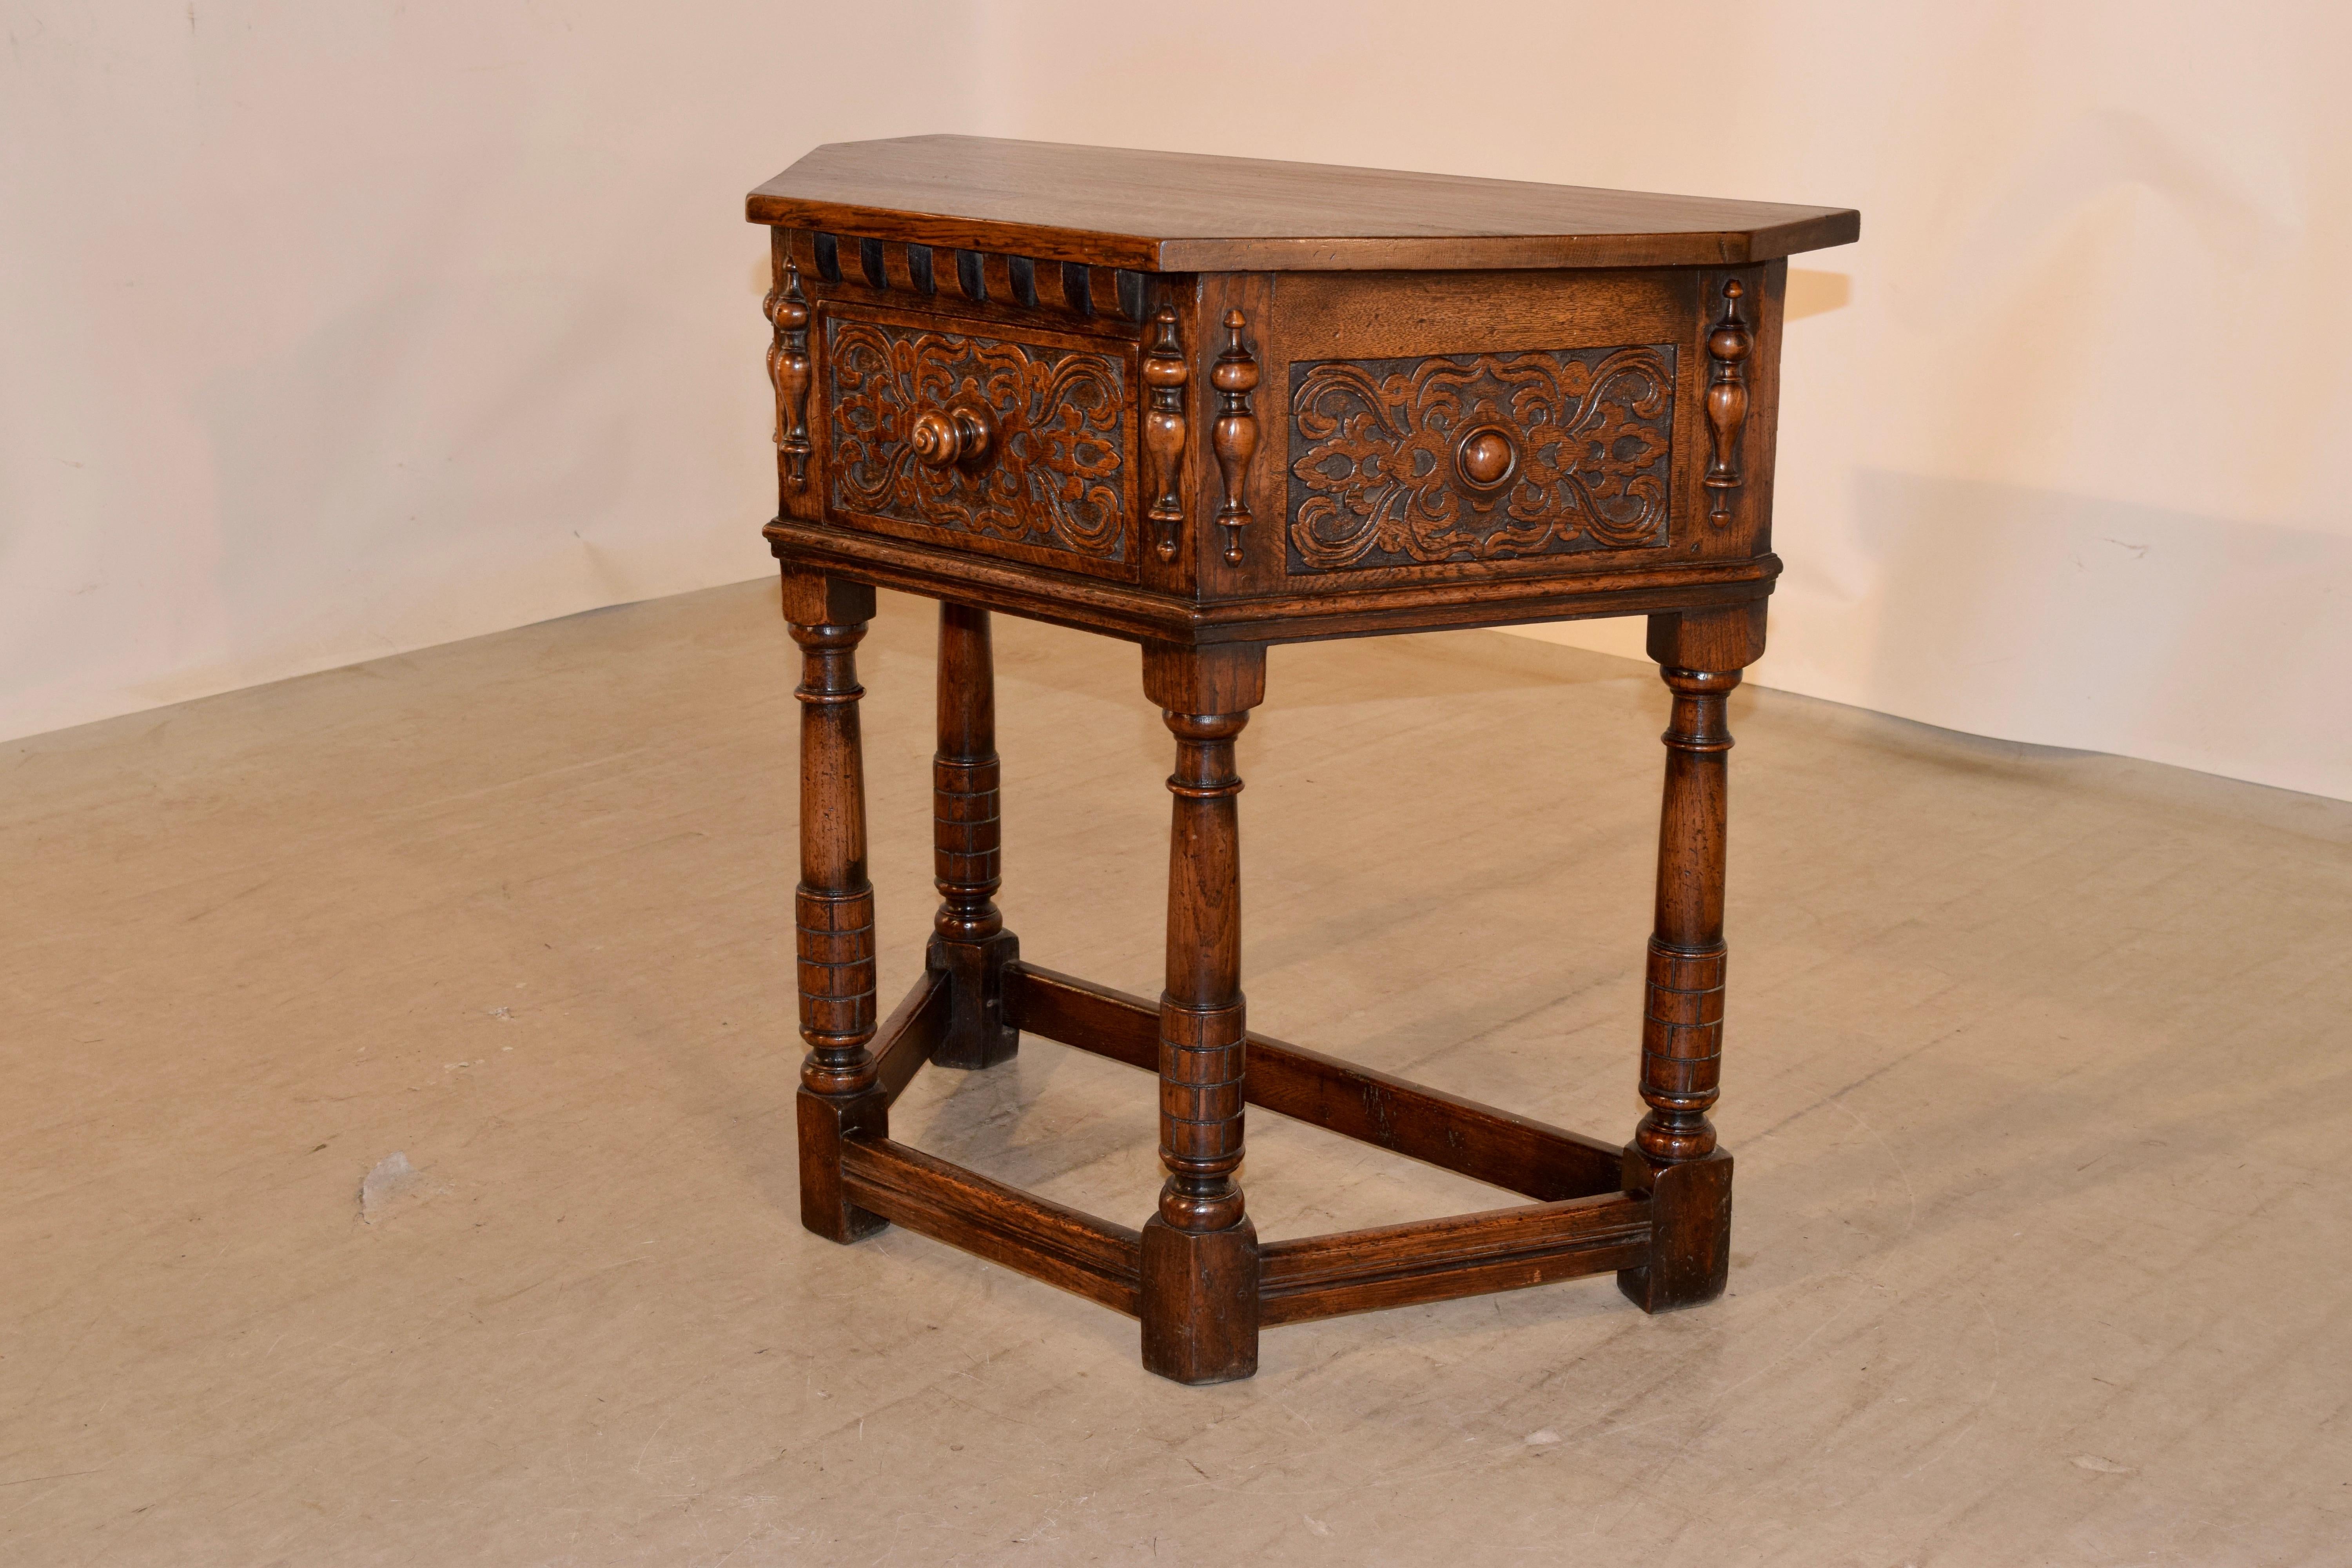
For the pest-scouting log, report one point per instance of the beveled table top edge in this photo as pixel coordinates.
(1168, 212)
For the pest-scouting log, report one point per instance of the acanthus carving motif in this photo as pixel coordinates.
(788, 371)
(1412, 462)
(1049, 475)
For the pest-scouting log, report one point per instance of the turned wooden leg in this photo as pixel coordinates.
(1673, 1157)
(834, 905)
(1200, 1252)
(970, 943)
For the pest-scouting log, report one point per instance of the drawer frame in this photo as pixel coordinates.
(972, 488)
(1201, 597)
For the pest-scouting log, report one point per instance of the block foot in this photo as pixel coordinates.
(1690, 1231)
(1200, 1302)
(977, 1035)
(826, 1121)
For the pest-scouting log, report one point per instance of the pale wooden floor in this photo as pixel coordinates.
(2037, 1078)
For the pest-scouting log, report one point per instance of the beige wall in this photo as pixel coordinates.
(338, 328)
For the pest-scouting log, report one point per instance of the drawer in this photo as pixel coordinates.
(1011, 442)
(1523, 426)
(1435, 459)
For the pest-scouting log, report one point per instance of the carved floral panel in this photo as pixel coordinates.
(1415, 462)
(1051, 480)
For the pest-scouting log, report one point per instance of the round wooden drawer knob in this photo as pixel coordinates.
(958, 437)
(1486, 458)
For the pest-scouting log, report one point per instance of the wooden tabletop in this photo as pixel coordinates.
(1181, 212)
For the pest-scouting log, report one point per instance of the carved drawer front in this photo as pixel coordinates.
(1434, 461)
(1017, 447)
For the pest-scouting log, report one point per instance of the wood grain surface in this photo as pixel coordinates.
(1178, 211)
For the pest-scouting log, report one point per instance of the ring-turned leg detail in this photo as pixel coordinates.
(1202, 1026)
(1682, 1027)
(834, 905)
(1673, 1157)
(969, 942)
(1200, 1251)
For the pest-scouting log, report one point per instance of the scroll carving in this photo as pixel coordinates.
(1165, 372)
(1414, 462)
(1234, 435)
(1727, 348)
(788, 370)
(1048, 473)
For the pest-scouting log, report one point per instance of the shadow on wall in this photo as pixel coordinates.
(2073, 620)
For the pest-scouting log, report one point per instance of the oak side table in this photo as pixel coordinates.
(1208, 405)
